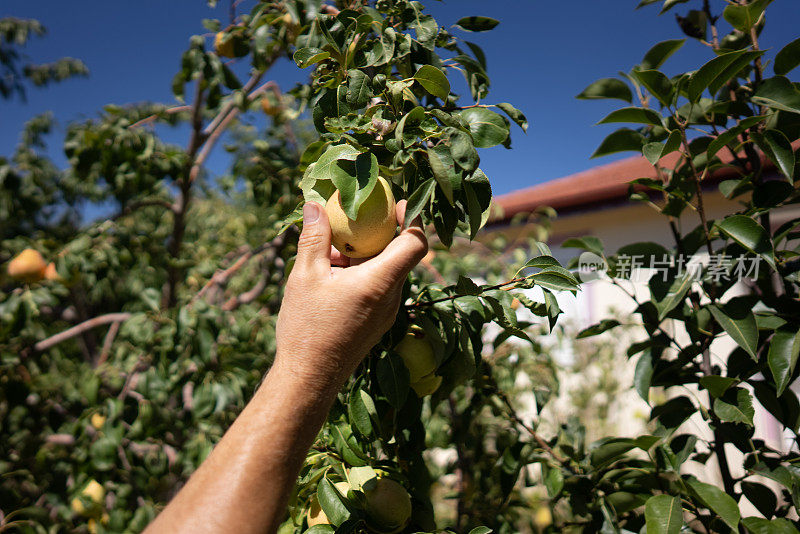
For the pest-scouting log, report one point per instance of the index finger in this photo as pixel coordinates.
(405, 251)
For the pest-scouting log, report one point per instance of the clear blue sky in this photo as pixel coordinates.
(541, 56)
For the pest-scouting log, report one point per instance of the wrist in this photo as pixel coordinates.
(315, 373)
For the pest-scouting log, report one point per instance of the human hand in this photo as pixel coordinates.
(334, 310)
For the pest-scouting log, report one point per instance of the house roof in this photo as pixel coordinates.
(597, 187)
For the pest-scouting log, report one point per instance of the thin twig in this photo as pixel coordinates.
(77, 330)
(107, 342)
(155, 116)
(221, 277)
(453, 297)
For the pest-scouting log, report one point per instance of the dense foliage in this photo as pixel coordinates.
(735, 115)
(119, 374)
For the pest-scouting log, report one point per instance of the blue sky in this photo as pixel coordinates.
(540, 56)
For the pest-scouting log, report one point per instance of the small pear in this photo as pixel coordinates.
(223, 47)
(90, 499)
(27, 266)
(388, 505)
(426, 385)
(417, 354)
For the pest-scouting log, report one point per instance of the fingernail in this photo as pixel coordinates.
(310, 212)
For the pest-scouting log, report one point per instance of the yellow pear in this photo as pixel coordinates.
(374, 227)
(315, 515)
(98, 420)
(90, 499)
(51, 273)
(543, 517)
(27, 266)
(270, 108)
(417, 354)
(223, 47)
(388, 505)
(426, 385)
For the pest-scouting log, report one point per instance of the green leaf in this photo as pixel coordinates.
(655, 151)
(331, 502)
(326, 167)
(357, 183)
(359, 89)
(555, 280)
(607, 88)
(590, 243)
(474, 211)
(778, 93)
(418, 200)
(393, 379)
(305, 57)
(481, 530)
(717, 385)
(477, 24)
(361, 411)
(669, 4)
(745, 17)
(413, 117)
(599, 328)
(731, 134)
(718, 501)
(659, 53)
(643, 375)
(488, 128)
(759, 525)
(610, 451)
(462, 149)
(676, 293)
(735, 406)
(622, 140)
(657, 84)
(787, 59)
(434, 81)
(717, 72)
(540, 262)
(739, 323)
(778, 148)
(782, 358)
(515, 115)
(663, 515)
(633, 114)
(444, 169)
(624, 501)
(749, 234)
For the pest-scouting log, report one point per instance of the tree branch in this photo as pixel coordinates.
(80, 329)
(107, 342)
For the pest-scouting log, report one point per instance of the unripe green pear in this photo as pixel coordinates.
(374, 227)
(388, 505)
(426, 385)
(417, 354)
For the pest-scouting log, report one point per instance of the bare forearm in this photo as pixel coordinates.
(245, 483)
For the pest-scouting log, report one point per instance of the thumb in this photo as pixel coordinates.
(314, 246)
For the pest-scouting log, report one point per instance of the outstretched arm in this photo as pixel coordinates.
(329, 319)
